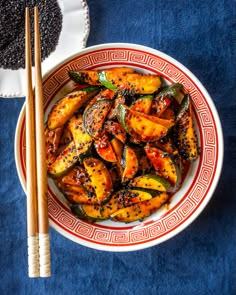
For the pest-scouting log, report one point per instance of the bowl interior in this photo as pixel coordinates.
(198, 185)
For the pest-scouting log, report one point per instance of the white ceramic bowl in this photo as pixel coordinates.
(203, 175)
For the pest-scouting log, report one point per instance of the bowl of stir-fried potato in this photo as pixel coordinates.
(133, 147)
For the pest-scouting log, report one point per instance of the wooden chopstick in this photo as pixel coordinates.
(40, 209)
(42, 191)
(32, 219)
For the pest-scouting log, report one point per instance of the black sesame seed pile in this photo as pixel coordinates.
(12, 30)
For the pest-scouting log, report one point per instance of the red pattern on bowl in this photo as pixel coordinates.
(202, 176)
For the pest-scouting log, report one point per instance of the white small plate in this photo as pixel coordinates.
(201, 179)
(73, 37)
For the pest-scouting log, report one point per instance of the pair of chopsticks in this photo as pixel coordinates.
(36, 185)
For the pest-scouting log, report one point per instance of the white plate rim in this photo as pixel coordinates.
(81, 37)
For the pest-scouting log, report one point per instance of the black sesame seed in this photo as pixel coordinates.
(12, 30)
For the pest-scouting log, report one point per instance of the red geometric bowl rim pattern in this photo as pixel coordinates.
(128, 237)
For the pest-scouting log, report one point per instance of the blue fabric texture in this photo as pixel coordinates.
(200, 260)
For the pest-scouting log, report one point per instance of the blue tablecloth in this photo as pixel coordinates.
(201, 259)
